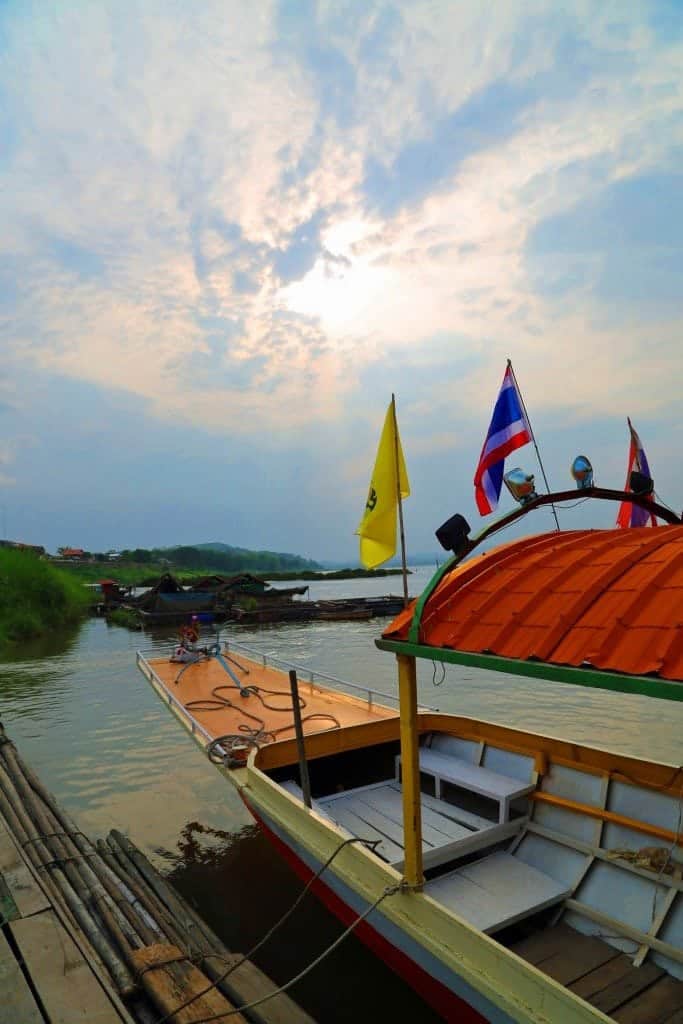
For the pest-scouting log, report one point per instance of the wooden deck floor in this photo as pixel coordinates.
(44, 976)
(604, 977)
(206, 690)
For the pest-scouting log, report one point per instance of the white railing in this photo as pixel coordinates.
(158, 683)
(307, 673)
(266, 658)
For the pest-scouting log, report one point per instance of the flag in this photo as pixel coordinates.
(377, 528)
(629, 514)
(509, 429)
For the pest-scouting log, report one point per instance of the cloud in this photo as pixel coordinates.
(263, 219)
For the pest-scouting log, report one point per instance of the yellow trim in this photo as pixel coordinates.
(410, 767)
(611, 816)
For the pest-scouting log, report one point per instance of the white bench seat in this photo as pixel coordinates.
(496, 891)
(472, 777)
(374, 814)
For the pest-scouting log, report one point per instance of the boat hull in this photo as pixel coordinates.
(449, 995)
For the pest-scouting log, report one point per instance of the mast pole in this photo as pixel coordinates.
(410, 772)
(400, 504)
(533, 438)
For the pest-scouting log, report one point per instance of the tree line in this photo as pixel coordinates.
(232, 560)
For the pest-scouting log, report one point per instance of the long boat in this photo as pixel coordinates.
(505, 874)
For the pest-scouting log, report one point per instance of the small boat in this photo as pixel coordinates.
(509, 876)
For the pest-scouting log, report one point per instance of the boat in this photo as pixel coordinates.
(507, 875)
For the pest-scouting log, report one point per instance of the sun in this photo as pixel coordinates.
(343, 287)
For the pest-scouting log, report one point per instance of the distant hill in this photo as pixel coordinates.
(216, 555)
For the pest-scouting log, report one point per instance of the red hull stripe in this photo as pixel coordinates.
(445, 1002)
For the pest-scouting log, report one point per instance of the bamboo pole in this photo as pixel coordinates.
(150, 906)
(133, 928)
(179, 912)
(122, 897)
(43, 859)
(82, 878)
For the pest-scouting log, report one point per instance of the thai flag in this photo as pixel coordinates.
(509, 430)
(629, 514)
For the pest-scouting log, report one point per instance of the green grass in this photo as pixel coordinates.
(36, 598)
(123, 617)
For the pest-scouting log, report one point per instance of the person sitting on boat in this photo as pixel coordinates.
(189, 635)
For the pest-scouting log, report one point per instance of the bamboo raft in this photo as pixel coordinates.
(91, 931)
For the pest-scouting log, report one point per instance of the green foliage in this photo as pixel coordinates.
(124, 617)
(36, 597)
(226, 559)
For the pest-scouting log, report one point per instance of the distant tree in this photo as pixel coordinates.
(141, 555)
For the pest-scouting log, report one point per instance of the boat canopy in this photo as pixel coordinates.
(597, 605)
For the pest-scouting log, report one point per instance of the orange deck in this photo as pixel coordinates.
(208, 693)
(611, 599)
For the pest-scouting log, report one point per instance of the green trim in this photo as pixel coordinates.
(665, 689)
(443, 570)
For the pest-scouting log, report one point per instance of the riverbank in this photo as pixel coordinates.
(144, 574)
(36, 598)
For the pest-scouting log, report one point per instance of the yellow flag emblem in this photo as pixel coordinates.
(377, 528)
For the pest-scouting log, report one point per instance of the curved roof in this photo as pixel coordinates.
(605, 599)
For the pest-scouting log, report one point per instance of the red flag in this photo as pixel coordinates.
(629, 514)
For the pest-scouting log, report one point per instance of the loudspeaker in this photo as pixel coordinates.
(640, 483)
(452, 536)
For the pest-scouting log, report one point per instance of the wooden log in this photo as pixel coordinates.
(32, 841)
(41, 878)
(189, 923)
(52, 893)
(131, 927)
(170, 980)
(127, 886)
(246, 982)
(25, 894)
(143, 933)
(83, 880)
(149, 899)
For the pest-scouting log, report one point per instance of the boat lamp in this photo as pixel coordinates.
(641, 483)
(520, 485)
(452, 536)
(582, 471)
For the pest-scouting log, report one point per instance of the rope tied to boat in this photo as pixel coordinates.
(402, 886)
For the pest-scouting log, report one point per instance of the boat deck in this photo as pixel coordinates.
(209, 696)
(604, 976)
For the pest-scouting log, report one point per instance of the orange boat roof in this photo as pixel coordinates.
(605, 599)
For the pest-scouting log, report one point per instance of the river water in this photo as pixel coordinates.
(101, 740)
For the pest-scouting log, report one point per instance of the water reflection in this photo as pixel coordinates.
(50, 645)
(242, 889)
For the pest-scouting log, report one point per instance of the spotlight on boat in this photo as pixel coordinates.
(582, 471)
(452, 536)
(641, 483)
(520, 485)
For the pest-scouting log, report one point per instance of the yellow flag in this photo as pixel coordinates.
(377, 529)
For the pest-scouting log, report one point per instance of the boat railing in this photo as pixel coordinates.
(311, 676)
(193, 725)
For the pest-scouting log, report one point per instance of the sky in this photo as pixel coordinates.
(231, 230)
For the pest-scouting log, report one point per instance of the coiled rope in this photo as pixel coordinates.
(232, 749)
